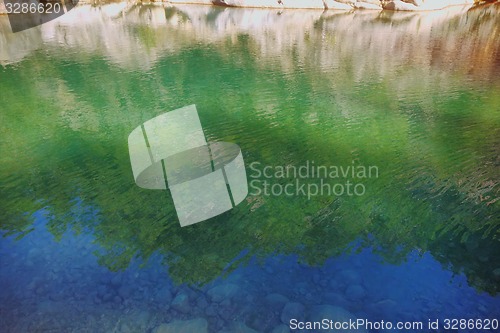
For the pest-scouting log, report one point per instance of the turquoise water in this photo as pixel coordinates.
(414, 96)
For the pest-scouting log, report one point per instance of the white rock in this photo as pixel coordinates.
(400, 5)
(332, 4)
(367, 5)
(416, 5)
(415, 2)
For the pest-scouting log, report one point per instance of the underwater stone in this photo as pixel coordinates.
(225, 303)
(302, 288)
(225, 310)
(355, 292)
(349, 277)
(276, 301)
(292, 310)
(125, 329)
(101, 290)
(240, 328)
(107, 297)
(281, 329)
(125, 291)
(41, 290)
(261, 319)
(335, 313)
(141, 319)
(202, 302)
(45, 306)
(199, 325)
(385, 306)
(334, 284)
(223, 292)
(181, 303)
(138, 295)
(116, 280)
(163, 295)
(57, 296)
(210, 311)
(335, 299)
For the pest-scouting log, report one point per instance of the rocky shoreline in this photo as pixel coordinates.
(402, 5)
(72, 293)
(396, 5)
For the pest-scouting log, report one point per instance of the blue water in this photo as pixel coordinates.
(45, 289)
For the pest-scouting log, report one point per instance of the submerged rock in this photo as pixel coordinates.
(210, 311)
(202, 302)
(116, 281)
(125, 291)
(223, 292)
(349, 277)
(335, 299)
(240, 328)
(383, 307)
(198, 325)
(141, 320)
(124, 328)
(335, 313)
(181, 303)
(281, 329)
(276, 301)
(355, 292)
(163, 295)
(292, 310)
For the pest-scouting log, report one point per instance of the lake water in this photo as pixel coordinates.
(413, 96)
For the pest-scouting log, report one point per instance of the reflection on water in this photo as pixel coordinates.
(414, 94)
(364, 40)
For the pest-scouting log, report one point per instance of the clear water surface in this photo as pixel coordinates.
(416, 95)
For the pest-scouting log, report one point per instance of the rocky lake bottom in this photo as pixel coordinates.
(53, 286)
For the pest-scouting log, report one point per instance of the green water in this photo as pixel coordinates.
(415, 96)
